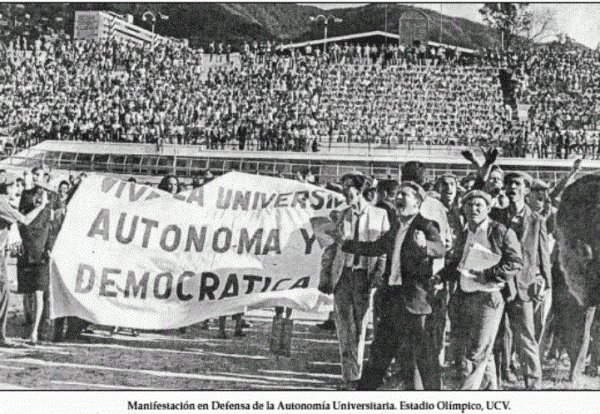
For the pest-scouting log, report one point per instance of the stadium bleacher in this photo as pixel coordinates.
(82, 90)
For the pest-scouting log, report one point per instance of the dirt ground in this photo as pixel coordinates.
(195, 360)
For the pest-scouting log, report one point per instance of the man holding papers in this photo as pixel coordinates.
(487, 257)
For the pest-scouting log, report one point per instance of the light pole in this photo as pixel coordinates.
(441, 19)
(385, 21)
(152, 17)
(149, 16)
(325, 20)
(399, 28)
(60, 25)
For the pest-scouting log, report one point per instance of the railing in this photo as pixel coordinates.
(123, 160)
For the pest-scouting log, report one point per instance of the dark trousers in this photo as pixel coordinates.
(437, 322)
(4, 299)
(350, 304)
(458, 329)
(400, 332)
(68, 328)
(378, 298)
(519, 326)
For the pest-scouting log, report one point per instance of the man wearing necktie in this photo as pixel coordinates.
(355, 276)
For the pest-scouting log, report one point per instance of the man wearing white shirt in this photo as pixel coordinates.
(480, 293)
(411, 245)
(355, 275)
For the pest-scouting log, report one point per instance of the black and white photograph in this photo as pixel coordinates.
(334, 197)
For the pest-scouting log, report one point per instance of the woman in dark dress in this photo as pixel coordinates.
(9, 215)
(32, 265)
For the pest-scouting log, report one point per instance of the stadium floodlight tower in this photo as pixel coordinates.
(325, 20)
(149, 16)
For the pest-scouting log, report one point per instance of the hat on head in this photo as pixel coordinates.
(418, 189)
(538, 184)
(518, 174)
(477, 194)
(447, 175)
(359, 180)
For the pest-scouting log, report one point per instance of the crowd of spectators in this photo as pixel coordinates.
(428, 104)
(558, 86)
(300, 101)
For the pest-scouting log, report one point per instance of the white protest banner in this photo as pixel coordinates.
(133, 256)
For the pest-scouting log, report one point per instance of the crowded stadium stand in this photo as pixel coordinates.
(364, 93)
(301, 99)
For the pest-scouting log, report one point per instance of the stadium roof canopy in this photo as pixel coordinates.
(374, 33)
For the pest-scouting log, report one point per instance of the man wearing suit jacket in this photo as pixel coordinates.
(411, 245)
(531, 283)
(352, 276)
(479, 292)
(386, 199)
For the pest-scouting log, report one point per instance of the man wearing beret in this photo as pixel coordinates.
(478, 297)
(531, 284)
(433, 209)
(411, 245)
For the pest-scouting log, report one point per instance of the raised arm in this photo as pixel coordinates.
(12, 215)
(371, 248)
(483, 169)
(557, 191)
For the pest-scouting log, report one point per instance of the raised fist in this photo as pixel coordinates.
(468, 155)
(419, 238)
(491, 155)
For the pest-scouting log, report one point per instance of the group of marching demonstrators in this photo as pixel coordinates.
(464, 277)
(455, 273)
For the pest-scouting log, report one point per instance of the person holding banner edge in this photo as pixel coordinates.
(32, 265)
(8, 216)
